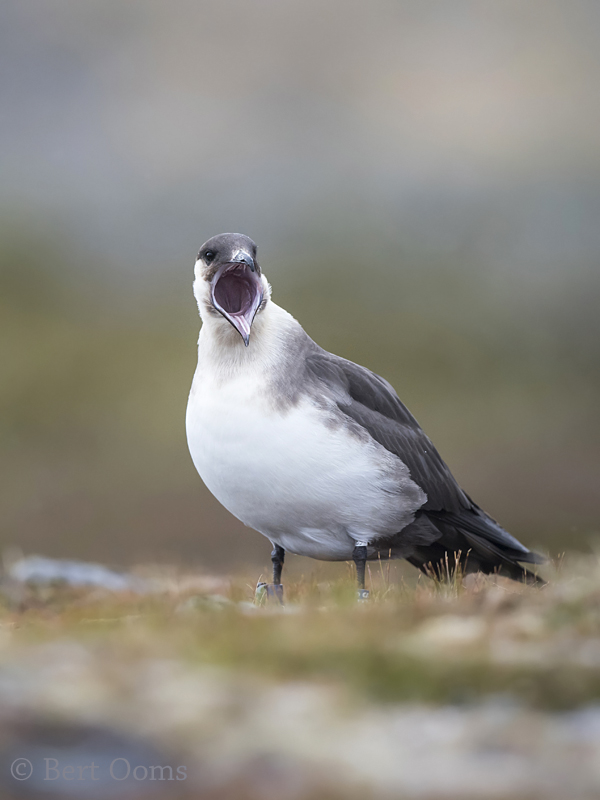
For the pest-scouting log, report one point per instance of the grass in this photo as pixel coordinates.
(414, 640)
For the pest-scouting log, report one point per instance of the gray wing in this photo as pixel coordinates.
(372, 402)
(449, 520)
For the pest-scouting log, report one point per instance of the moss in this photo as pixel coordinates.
(416, 642)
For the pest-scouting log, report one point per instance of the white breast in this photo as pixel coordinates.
(308, 486)
(296, 475)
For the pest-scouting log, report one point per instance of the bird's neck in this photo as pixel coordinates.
(221, 348)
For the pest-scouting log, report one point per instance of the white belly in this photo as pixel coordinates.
(296, 476)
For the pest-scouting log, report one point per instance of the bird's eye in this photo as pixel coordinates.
(209, 256)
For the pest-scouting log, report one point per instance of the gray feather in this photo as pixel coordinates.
(449, 520)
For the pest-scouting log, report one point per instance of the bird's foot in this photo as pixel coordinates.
(363, 594)
(267, 592)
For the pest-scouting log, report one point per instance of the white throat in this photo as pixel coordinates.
(222, 349)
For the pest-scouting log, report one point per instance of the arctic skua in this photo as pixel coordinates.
(315, 452)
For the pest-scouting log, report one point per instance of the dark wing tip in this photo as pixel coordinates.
(533, 558)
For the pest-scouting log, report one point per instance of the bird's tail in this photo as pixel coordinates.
(469, 540)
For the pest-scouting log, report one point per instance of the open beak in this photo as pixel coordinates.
(237, 292)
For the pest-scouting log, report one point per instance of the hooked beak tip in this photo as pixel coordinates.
(241, 257)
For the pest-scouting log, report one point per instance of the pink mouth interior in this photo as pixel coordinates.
(235, 291)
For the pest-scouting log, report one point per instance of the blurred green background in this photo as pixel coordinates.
(423, 181)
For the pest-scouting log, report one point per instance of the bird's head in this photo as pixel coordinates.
(228, 281)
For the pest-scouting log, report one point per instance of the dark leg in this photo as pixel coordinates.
(277, 557)
(264, 591)
(359, 556)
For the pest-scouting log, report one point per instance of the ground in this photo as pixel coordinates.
(479, 687)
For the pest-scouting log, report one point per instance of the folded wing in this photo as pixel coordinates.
(449, 522)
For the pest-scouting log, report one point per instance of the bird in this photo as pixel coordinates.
(315, 452)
